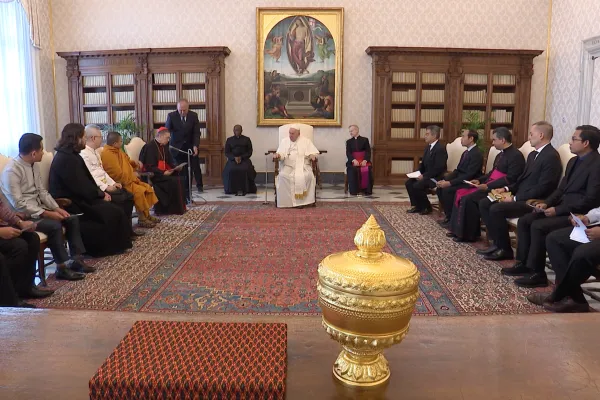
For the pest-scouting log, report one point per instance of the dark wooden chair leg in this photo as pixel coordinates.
(275, 173)
(592, 292)
(42, 266)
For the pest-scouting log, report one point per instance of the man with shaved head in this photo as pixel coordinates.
(239, 173)
(295, 183)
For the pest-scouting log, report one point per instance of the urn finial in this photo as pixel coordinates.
(370, 239)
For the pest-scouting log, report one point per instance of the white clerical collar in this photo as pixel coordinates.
(432, 144)
(507, 147)
(469, 148)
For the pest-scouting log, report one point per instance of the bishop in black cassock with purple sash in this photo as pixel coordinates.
(358, 165)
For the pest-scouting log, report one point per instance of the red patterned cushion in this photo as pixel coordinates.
(190, 360)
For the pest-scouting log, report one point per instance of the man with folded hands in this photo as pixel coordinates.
(19, 247)
(432, 166)
(22, 186)
(508, 165)
(578, 192)
(538, 180)
(469, 167)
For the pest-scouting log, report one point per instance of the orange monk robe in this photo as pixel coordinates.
(121, 169)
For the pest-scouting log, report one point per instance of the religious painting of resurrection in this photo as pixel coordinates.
(299, 57)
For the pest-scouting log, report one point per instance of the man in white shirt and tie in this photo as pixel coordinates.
(116, 193)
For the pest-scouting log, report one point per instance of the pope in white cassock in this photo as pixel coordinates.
(295, 183)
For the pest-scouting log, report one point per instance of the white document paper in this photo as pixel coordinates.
(578, 234)
(414, 175)
(469, 183)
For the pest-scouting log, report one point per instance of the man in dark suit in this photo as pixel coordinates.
(433, 165)
(508, 166)
(468, 168)
(185, 135)
(573, 262)
(578, 192)
(540, 178)
(358, 164)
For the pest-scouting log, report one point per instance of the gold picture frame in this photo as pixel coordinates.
(299, 54)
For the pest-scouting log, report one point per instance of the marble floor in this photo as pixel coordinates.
(327, 193)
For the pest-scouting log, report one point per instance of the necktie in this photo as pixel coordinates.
(463, 156)
(535, 154)
(183, 119)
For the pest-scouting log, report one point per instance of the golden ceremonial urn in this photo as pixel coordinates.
(367, 298)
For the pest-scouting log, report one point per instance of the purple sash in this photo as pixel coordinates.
(463, 192)
(363, 172)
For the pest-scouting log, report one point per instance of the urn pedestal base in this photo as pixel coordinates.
(361, 369)
(367, 298)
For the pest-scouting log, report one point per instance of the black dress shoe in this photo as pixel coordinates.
(413, 210)
(539, 279)
(519, 269)
(567, 306)
(80, 266)
(426, 211)
(489, 250)
(450, 235)
(200, 189)
(463, 240)
(499, 255)
(37, 293)
(68, 275)
(22, 304)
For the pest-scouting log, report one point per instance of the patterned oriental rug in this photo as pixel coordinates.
(255, 259)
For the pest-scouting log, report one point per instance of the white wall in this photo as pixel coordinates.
(114, 24)
(573, 21)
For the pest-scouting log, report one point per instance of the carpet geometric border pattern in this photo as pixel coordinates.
(249, 258)
(195, 360)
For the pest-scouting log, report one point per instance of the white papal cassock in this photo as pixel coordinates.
(296, 182)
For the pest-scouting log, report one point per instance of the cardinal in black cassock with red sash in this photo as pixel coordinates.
(169, 185)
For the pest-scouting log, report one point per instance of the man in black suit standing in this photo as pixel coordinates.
(508, 166)
(578, 192)
(185, 135)
(433, 165)
(468, 168)
(541, 175)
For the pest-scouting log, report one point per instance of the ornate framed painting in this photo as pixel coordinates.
(299, 65)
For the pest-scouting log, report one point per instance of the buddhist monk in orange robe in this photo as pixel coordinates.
(121, 169)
